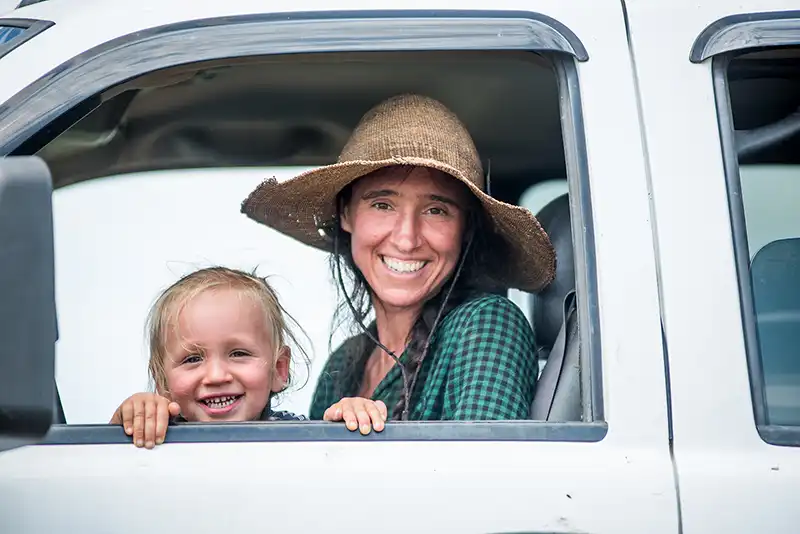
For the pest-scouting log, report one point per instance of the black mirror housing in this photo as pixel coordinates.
(28, 324)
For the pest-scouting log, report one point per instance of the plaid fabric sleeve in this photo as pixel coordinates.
(495, 367)
(330, 384)
(324, 392)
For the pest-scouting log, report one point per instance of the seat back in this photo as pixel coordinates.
(775, 273)
(555, 325)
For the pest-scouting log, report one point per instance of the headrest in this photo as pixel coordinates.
(775, 272)
(547, 305)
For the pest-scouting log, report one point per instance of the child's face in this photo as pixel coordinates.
(221, 365)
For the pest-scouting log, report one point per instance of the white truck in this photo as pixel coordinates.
(658, 142)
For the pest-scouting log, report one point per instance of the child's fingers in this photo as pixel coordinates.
(174, 409)
(126, 410)
(116, 419)
(150, 416)
(138, 422)
(162, 420)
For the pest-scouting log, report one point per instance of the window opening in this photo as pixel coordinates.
(764, 102)
(159, 134)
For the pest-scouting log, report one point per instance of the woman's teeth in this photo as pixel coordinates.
(220, 402)
(401, 266)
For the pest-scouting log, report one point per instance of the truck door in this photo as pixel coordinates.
(153, 105)
(725, 170)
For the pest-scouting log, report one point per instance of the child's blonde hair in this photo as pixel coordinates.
(169, 305)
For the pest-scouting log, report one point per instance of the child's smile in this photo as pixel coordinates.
(222, 366)
(216, 405)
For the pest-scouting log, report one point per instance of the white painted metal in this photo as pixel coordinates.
(667, 201)
(337, 487)
(730, 479)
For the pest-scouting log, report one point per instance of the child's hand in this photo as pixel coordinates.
(358, 412)
(145, 416)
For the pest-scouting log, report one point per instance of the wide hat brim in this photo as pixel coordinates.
(301, 206)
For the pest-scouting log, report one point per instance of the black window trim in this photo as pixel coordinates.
(746, 31)
(39, 106)
(343, 31)
(772, 434)
(32, 27)
(582, 222)
(25, 3)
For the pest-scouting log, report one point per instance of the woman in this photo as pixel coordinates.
(406, 218)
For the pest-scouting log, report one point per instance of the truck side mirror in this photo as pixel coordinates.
(28, 328)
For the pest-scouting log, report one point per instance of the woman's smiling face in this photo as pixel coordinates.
(406, 231)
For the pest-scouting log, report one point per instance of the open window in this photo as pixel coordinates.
(150, 169)
(757, 82)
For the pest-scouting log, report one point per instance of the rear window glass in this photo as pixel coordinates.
(9, 33)
(764, 92)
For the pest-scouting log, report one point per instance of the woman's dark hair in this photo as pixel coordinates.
(469, 277)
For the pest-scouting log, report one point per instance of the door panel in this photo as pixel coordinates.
(501, 477)
(349, 487)
(731, 479)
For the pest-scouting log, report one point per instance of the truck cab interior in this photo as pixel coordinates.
(298, 110)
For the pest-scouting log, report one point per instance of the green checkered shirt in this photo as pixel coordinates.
(481, 365)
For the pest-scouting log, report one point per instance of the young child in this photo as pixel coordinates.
(218, 352)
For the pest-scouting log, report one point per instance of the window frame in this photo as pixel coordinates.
(40, 112)
(722, 41)
(334, 31)
(299, 431)
(31, 28)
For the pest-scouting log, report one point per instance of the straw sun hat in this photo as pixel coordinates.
(407, 130)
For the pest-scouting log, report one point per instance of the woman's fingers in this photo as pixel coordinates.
(358, 413)
(333, 413)
(382, 408)
(342, 411)
(349, 414)
(377, 417)
(363, 416)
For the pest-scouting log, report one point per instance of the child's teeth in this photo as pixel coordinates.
(220, 402)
